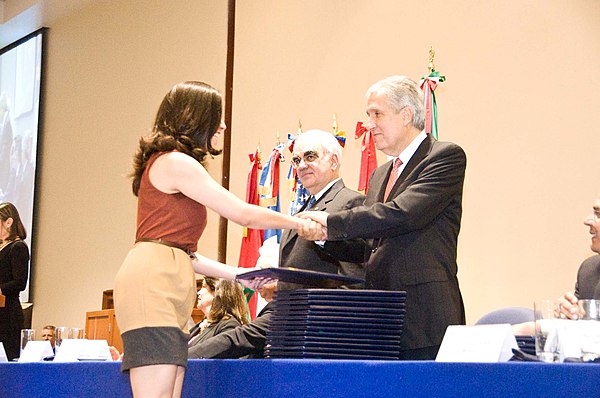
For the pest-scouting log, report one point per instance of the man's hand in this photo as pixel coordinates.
(316, 229)
(568, 307)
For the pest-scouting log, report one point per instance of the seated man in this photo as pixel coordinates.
(243, 341)
(49, 334)
(317, 158)
(588, 276)
(588, 279)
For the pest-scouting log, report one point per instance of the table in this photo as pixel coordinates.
(313, 378)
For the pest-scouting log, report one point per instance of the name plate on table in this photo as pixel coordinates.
(35, 351)
(74, 350)
(480, 343)
(3, 357)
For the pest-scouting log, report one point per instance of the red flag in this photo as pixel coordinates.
(252, 239)
(368, 158)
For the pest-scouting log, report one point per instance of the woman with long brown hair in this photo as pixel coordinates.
(14, 263)
(155, 287)
(224, 305)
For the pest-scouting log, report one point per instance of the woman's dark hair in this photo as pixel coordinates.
(229, 302)
(187, 119)
(16, 230)
(211, 283)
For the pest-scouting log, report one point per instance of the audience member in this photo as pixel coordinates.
(206, 295)
(588, 275)
(317, 157)
(49, 334)
(411, 217)
(14, 268)
(224, 304)
(155, 288)
(246, 341)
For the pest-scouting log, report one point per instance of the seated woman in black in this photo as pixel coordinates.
(224, 305)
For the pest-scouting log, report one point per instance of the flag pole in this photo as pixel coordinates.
(428, 84)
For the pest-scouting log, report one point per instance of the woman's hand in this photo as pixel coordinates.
(253, 283)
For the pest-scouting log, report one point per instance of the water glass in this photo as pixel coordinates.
(589, 329)
(27, 335)
(547, 320)
(61, 333)
(77, 333)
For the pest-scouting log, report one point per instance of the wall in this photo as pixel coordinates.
(519, 98)
(108, 67)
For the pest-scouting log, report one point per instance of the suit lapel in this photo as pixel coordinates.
(288, 234)
(322, 203)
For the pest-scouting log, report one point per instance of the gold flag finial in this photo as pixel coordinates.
(335, 125)
(299, 126)
(278, 141)
(431, 66)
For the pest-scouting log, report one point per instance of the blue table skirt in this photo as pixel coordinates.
(312, 378)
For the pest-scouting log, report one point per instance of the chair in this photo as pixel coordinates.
(512, 315)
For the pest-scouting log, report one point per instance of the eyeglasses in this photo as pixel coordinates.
(308, 157)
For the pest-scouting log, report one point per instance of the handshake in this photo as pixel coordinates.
(312, 225)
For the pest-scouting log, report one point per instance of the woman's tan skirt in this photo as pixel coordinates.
(154, 294)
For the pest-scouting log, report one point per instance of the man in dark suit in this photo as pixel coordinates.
(317, 157)
(410, 218)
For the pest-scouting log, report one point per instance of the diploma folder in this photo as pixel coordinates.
(302, 277)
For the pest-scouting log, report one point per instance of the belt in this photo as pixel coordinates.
(167, 243)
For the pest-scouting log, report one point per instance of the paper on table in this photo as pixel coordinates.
(3, 357)
(480, 343)
(35, 351)
(73, 350)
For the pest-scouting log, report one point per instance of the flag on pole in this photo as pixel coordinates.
(340, 135)
(298, 194)
(428, 84)
(368, 158)
(269, 186)
(252, 239)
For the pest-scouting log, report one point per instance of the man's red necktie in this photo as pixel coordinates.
(393, 177)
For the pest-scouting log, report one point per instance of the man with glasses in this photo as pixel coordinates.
(317, 157)
(588, 275)
(410, 218)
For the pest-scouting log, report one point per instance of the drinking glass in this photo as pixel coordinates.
(589, 321)
(77, 333)
(27, 335)
(61, 333)
(546, 330)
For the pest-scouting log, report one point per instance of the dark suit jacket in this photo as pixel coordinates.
(297, 252)
(412, 238)
(588, 279)
(211, 331)
(245, 340)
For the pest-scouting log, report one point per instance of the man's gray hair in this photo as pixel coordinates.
(402, 92)
(327, 140)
